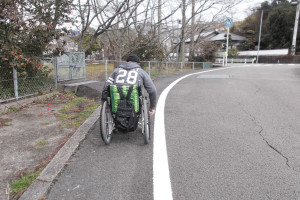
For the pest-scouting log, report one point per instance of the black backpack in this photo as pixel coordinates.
(126, 119)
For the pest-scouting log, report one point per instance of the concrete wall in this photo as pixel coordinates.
(247, 54)
(275, 52)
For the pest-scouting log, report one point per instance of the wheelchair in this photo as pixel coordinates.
(108, 115)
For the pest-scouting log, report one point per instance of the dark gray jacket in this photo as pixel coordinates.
(131, 73)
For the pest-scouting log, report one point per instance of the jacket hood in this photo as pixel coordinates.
(129, 65)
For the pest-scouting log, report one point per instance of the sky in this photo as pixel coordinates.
(237, 13)
(244, 9)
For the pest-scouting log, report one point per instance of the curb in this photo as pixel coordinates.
(43, 182)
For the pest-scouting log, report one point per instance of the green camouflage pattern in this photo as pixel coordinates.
(115, 97)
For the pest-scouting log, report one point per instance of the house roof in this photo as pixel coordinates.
(214, 35)
(205, 35)
(221, 37)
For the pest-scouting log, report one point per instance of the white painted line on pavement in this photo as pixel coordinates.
(162, 189)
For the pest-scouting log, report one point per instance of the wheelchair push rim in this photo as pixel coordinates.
(106, 123)
(145, 122)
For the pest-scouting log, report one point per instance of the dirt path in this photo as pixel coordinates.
(29, 138)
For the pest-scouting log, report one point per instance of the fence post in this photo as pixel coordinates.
(167, 67)
(149, 69)
(231, 60)
(223, 62)
(15, 78)
(55, 72)
(181, 66)
(84, 67)
(106, 69)
(193, 66)
(70, 71)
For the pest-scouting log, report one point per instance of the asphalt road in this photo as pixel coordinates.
(231, 134)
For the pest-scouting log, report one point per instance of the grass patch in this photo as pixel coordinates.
(45, 123)
(13, 109)
(41, 142)
(76, 111)
(99, 68)
(78, 100)
(19, 186)
(157, 72)
(63, 116)
(97, 71)
(8, 123)
(154, 73)
(39, 100)
(5, 122)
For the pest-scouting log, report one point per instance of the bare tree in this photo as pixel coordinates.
(117, 20)
(102, 16)
(128, 25)
(125, 38)
(214, 8)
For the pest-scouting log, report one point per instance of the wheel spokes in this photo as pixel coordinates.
(108, 123)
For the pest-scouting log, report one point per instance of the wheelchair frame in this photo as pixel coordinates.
(107, 119)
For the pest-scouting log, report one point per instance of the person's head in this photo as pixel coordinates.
(133, 58)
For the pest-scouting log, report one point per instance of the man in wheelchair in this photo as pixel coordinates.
(123, 94)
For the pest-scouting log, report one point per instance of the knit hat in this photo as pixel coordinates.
(133, 58)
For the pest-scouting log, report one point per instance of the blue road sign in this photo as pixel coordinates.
(228, 23)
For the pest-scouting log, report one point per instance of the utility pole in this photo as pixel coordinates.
(261, 18)
(227, 42)
(293, 50)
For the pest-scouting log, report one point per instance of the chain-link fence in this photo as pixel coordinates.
(99, 70)
(6, 90)
(21, 85)
(74, 66)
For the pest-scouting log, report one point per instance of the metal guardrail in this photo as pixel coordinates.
(236, 60)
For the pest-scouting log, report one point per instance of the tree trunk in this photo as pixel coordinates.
(182, 41)
(192, 43)
(80, 43)
(159, 21)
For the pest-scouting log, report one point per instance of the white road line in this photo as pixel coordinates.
(162, 189)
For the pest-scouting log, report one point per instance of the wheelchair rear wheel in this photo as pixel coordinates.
(106, 123)
(145, 122)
